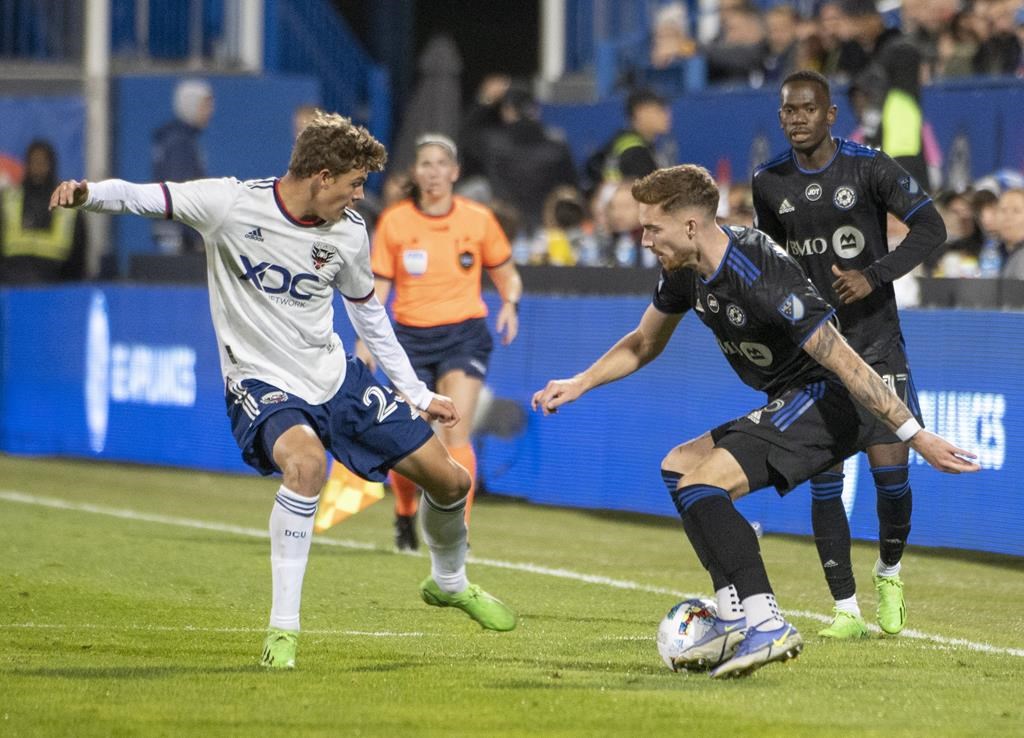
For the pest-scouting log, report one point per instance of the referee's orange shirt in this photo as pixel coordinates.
(435, 262)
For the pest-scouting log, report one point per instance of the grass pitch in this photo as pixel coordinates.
(133, 601)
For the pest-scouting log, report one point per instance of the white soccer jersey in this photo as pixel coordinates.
(271, 279)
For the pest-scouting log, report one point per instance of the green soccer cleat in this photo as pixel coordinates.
(845, 626)
(489, 611)
(892, 610)
(279, 649)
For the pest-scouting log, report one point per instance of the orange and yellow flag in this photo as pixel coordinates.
(343, 496)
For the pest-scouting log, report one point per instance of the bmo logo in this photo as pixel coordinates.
(275, 279)
(847, 242)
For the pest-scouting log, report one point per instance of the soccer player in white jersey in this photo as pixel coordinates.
(276, 251)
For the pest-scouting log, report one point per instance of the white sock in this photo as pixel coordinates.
(444, 530)
(763, 612)
(291, 533)
(887, 571)
(849, 605)
(729, 607)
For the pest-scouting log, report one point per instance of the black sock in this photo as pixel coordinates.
(895, 504)
(832, 533)
(728, 536)
(700, 546)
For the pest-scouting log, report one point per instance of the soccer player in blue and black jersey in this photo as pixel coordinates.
(826, 201)
(824, 403)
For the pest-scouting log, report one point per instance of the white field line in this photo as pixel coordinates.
(197, 629)
(124, 514)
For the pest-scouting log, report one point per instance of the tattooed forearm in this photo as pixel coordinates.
(830, 350)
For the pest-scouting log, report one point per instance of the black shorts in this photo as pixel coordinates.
(799, 433)
(895, 372)
(438, 350)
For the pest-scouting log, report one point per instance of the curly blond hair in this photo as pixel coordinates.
(332, 142)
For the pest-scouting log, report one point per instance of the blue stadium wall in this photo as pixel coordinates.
(131, 374)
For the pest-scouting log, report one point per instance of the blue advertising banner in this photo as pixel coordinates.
(131, 374)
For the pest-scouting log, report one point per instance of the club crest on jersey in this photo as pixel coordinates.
(466, 260)
(844, 198)
(712, 303)
(274, 398)
(792, 308)
(813, 192)
(736, 315)
(322, 253)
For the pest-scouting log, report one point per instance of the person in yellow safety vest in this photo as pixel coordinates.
(631, 153)
(37, 245)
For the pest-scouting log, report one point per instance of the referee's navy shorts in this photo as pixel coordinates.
(365, 426)
(440, 349)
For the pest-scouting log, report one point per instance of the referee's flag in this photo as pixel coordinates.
(344, 495)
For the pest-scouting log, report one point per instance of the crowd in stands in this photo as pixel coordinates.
(556, 216)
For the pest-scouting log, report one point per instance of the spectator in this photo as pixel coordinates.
(178, 157)
(481, 119)
(567, 241)
(737, 57)
(957, 46)
(1011, 232)
(524, 161)
(831, 28)
(38, 245)
(1000, 48)
(632, 153)
(863, 38)
(923, 23)
(782, 23)
(670, 39)
(622, 242)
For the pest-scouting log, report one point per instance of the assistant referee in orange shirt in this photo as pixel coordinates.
(431, 249)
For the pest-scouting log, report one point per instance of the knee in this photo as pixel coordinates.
(453, 486)
(305, 473)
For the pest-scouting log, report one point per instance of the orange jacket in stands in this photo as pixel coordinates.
(435, 262)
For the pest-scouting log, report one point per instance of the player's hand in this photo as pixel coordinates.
(69, 194)
(851, 284)
(443, 410)
(556, 393)
(508, 323)
(364, 355)
(942, 454)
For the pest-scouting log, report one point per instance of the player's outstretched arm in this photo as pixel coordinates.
(637, 348)
(70, 193)
(830, 350)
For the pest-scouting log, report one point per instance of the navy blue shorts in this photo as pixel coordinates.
(436, 351)
(365, 426)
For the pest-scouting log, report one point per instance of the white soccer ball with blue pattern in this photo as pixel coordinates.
(684, 625)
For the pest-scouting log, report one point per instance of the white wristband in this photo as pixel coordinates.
(908, 430)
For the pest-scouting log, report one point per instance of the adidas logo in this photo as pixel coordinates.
(830, 564)
(256, 234)
(785, 207)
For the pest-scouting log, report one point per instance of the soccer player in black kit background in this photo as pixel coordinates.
(826, 201)
(824, 403)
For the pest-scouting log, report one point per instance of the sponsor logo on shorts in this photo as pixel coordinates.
(274, 398)
(478, 365)
(774, 406)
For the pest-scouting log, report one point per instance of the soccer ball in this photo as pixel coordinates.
(684, 624)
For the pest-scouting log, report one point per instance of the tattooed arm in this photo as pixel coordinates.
(830, 350)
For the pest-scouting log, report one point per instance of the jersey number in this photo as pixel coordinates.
(384, 408)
